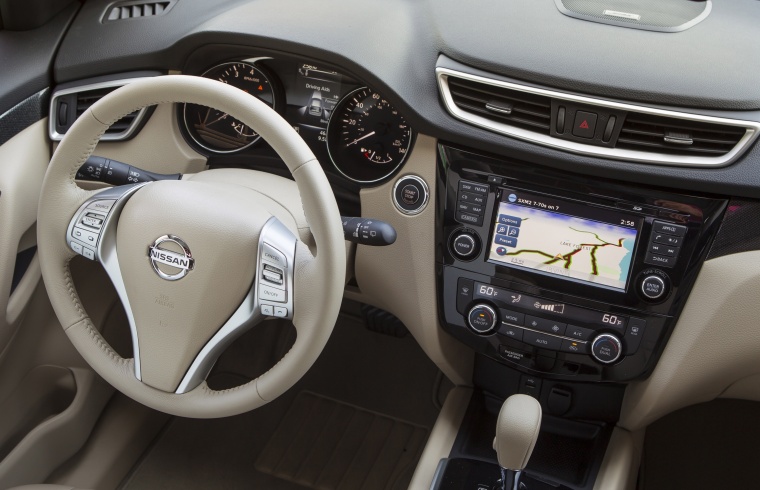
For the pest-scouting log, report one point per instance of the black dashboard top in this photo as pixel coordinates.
(394, 48)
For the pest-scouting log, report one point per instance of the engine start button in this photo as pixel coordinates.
(410, 194)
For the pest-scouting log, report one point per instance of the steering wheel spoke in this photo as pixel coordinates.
(271, 295)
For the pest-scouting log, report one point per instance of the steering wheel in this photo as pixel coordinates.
(195, 262)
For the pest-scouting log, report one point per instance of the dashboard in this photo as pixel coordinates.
(562, 189)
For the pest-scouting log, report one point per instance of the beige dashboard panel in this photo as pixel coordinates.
(401, 277)
(714, 345)
(23, 161)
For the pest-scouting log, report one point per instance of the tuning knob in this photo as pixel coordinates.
(606, 348)
(482, 319)
(465, 246)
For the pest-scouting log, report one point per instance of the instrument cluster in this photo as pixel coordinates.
(350, 127)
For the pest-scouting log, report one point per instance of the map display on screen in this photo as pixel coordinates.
(562, 245)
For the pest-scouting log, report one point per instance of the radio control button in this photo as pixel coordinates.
(671, 240)
(548, 326)
(653, 287)
(579, 333)
(469, 219)
(511, 332)
(465, 186)
(495, 179)
(606, 348)
(482, 319)
(472, 198)
(668, 228)
(659, 249)
(573, 346)
(467, 207)
(541, 340)
(662, 260)
(465, 246)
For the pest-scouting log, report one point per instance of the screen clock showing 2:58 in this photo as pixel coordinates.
(562, 238)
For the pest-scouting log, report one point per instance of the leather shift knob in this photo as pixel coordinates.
(517, 431)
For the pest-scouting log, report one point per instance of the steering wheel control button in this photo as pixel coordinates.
(76, 247)
(585, 124)
(280, 312)
(273, 275)
(410, 194)
(86, 236)
(88, 253)
(272, 294)
(540, 340)
(170, 257)
(465, 246)
(267, 310)
(606, 348)
(271, 254)
(653, 287)
(101, 206)
(93, 220)
(482, 319)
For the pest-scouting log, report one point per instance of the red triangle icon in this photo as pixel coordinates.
(584, 125)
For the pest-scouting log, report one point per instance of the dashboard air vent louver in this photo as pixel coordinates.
(528, 111)
(85, 99)
(67, 104)
(646, 132)
(138, 9)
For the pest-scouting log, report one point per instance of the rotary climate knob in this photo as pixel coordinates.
(606, 348)
(482, 319)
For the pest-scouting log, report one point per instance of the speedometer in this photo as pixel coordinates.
(367, 138)
(217, 131)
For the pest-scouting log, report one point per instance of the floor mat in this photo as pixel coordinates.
(362, 369)
(328, 445)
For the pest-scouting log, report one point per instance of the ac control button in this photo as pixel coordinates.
(482, 319)
(541, 340)
(606, 348)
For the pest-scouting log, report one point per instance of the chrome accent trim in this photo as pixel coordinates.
(752, 128)
(278, 236)
(615, 340)
(126, 134)
(184, 269)
(494, 323)
(106, 251)
(644, 27)
(425, 197)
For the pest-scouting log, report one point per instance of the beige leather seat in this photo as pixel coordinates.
(45, 487)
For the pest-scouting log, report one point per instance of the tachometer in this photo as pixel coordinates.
(217, 131)
(367, 138)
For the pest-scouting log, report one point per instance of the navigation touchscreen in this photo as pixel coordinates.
(569, 239)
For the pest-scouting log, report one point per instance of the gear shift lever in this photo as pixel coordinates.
(516, 433)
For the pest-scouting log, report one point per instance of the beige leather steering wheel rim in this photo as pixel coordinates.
(315, 308)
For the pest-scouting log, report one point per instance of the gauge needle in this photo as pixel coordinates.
(359, 139)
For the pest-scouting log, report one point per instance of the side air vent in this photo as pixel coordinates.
(521, 109)
(135, 10)
(646, 132)
(68, 104)
(624, 132)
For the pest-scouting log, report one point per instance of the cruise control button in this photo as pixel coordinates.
(511, 332)
(271, 254)
(548, 326)
(541, 340)
(271, 294)
(668, 228)
(579, 333)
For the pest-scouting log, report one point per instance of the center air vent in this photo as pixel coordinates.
(677, 136)
(521, 109)
(68, 104)
(138, 9)
(618, 130)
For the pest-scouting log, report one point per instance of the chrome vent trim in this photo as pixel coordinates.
(136, 10)
(752, 128)
(109, 135)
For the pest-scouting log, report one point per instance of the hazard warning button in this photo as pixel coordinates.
(585, 124)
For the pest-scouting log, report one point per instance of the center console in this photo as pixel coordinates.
(567, 287)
